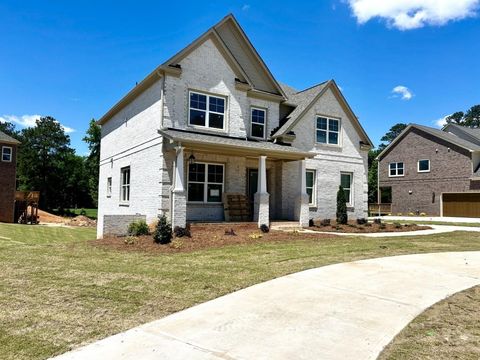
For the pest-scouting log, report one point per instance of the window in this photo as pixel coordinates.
(205, 182)
(311, 179)
(6, 154)
(109, 187)
(396, 169)
(346, 183)
(258, 123)
(207, 111)
(125, 185)
(423, 165)
(328, 130)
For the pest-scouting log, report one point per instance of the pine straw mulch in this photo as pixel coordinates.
(353, 227)
(204, 237)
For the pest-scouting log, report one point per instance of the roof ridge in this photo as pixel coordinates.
(313, 86)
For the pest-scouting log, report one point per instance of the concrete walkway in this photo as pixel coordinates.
(343, 311)
(435, 229)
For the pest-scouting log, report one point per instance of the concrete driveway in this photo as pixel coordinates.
(343, 311)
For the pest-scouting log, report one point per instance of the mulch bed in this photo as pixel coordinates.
(205, 236)
(353, 227)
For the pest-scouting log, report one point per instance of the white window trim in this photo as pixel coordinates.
(207, 111)
(264, 124)
(418, 166)
(350, 202)
(109, 187)
(314, 188)
(11, 153)
(339, 132)
(122, 185)
(396, 169)
(205, 183)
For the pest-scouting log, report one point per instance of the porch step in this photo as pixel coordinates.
(236, 207)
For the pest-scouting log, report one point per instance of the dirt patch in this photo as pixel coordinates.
(82, 220)
(48, 218)
(353, 227)
(205, 236)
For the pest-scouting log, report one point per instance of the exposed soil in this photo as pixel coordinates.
(204, 236)
(81, 220)
(47, 218)
(353, 227)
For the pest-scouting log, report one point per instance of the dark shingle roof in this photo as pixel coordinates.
(475, 132)
(4, 138)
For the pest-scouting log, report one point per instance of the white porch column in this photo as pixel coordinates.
(261, 209)
(179, 203)
(302, 211)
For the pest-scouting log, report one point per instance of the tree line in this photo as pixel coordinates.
(46, 162)
(469, 118)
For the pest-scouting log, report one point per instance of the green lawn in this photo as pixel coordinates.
(58, 292)
(91, 213)
(426, 222)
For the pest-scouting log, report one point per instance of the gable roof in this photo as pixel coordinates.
(238, 51)
(470, 133)
(440, 134)
(6, 139)
(305, 99)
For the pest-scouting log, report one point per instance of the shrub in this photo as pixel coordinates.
(138, 228)
(163, 231)
(377, 221)
(130, 240)
(382, 226)
(325, 222)
(411, 214)
(362, 221)
(399, 214)
(342, 217)
(397, 225)
(423, 214)
(264, 228)
(182, 231)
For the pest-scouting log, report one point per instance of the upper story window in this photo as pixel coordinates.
(205, 182)
(206, 111)
(328, 130)
(6, 154)
(346, 183)
(125, 184)
(258, 123)
(423, 165)
(396, 169)
(311, 188)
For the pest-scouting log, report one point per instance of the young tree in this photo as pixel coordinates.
(92, 162)
(342, 217)
(455, 118)
(472, 117)
(394, 131)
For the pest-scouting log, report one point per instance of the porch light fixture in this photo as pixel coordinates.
(191, 160)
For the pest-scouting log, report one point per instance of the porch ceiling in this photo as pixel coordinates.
(234, 146)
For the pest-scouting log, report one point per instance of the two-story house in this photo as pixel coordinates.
(211, 122)
(433, 171)
(8, 173)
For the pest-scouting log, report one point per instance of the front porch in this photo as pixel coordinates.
(269, 179)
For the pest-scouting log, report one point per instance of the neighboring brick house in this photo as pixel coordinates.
(8, 173)
(212, 122)
(427, 170)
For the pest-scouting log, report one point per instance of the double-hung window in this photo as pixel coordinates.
(6, 154)
(396, 169)
(125, 184)
(423, 165)
(327, 130)
(207, 110)
(109, 187)
(205, 182)
(258, 119)
(311, 188)
(346, 183)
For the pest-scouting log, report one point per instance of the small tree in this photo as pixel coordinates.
(163, 231)
(342, 217)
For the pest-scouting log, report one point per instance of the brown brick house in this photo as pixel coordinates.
(432, 171)
(8, 172)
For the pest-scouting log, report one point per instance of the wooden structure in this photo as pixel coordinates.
(26, 207)
(236, 207)
(379, 209)
(465, 204)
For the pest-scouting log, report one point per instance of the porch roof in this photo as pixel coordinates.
(234, 146)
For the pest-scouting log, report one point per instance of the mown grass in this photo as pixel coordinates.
(57, 291)
(426, 222)
(91, 213)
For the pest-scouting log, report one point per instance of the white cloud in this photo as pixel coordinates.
(441, 122)
(402, 91)
(245, 7)
(29, 121)
(413, 14)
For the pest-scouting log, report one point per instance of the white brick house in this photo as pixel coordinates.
(212, 121)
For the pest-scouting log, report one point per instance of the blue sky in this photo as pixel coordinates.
(74, 60)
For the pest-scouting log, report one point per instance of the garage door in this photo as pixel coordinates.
(461, 204)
